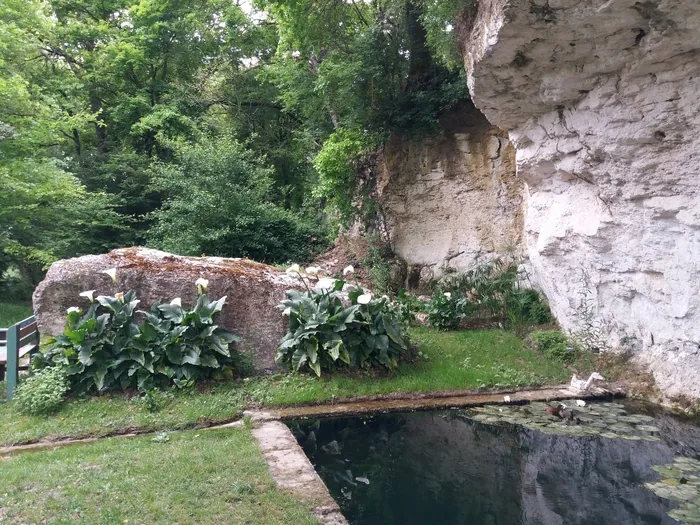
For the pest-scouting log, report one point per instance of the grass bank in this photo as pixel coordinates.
(189, 477)
(10, 313)
(453, 361)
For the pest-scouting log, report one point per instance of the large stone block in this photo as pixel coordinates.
(253, 291)
(600, 101)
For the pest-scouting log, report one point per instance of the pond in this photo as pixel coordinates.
(605, 463)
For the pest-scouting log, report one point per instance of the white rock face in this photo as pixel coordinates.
(600, 99)
(451, 197)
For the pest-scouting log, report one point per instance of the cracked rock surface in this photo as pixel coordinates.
(600, 100)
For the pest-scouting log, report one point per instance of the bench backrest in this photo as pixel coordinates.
(17, 341)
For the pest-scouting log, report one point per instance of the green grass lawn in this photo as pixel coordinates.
(455, 361)
(10, 313)
(187, 477)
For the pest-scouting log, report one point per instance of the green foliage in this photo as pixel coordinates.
(377, 263)
(325, 334)
(446, 312)
(105, 349)
(42, 392)
(218, 204)
(494, 289)
(554, 344)
(407, 306)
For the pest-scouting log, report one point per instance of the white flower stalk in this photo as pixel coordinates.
(294, 269)
(119, 296)
(112, 272)
(176, 302)
(448, 295)
(73, 309)
(88, 294)
(364, 298)
(348, 270)
(202, 285)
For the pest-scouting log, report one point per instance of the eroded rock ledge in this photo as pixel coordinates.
(253, 291)
(600, 100)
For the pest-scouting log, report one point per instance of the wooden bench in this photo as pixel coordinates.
(17, 341)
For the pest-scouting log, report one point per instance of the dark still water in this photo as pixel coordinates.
(449, 468)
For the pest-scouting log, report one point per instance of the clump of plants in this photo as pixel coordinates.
(105, 348)
(554, 344)
(42, 392)
(329, 330)
(496, 289)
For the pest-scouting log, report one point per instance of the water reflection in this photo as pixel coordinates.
(447, 468)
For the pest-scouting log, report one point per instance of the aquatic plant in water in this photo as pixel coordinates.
(680, 482)
(610, 420)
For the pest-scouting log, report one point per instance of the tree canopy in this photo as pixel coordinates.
(204, 126)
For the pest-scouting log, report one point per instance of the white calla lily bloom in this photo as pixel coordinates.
(364, 298)
(88, 294)
(313, 270)
(287, 311)
(327, 283)
(448, 295)
(202, 285)
(176, 302)
(349, 270)
(73, 309)
(119, 296)
(580, 403)
(112, 272)
(294, 268)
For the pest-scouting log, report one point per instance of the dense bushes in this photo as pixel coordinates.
(554, 344)
(42, 392)
(326, 333)
(104, 348)
(495, 290)
(218, 203)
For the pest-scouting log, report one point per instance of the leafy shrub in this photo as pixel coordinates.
(377, 263)
(553, 344)
(218, 203)
(446, 310)
(104, 348)
(496, 289)
(407, 306)
(325, 334)
(42, 392)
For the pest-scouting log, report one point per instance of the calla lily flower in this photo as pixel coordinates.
(294, 268)
(448, 295)
(73, 309)
(327, 283)
(364, 298)
(287, 311)
(202, 285)
(112, 272)
(176, 302)
(348, 270)
(313, 270)
(580, 403)
(119, 296)
(506, 399)
(88, 294)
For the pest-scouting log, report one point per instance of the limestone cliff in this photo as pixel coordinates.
(449, 197)
(599, 98)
